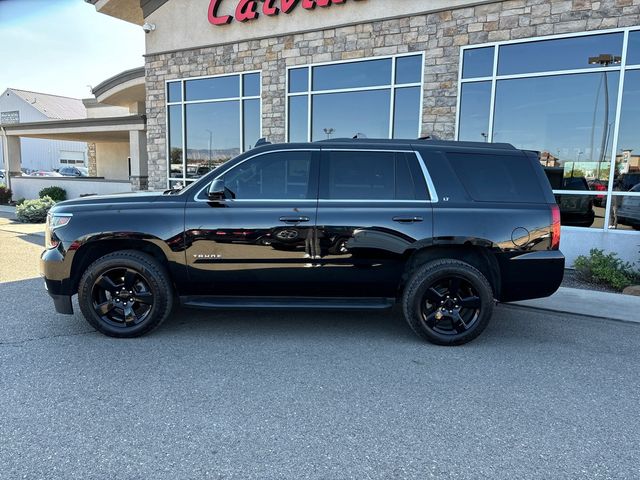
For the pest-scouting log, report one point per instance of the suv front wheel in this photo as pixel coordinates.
(448, 302)
(125, 294)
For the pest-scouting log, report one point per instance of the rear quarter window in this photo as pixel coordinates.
(497, 178)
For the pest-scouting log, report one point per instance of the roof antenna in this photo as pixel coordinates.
(359, 135)
(262, 141)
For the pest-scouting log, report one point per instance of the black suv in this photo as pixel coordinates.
(444, 228)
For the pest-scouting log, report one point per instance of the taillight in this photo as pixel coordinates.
(555, 227)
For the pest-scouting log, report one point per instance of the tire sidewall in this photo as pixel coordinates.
(159, 310)
(431, 273)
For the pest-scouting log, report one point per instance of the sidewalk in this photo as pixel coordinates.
(614, 306)
(9, 224)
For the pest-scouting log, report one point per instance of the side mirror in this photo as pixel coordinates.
(217, 190)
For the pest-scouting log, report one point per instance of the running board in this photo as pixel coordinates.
(243, 303)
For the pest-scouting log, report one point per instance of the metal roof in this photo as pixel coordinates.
(54, 107)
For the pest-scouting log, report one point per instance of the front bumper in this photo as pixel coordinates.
(53, 269)
(525, 276)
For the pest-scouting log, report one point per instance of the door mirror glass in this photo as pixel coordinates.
(216, 190)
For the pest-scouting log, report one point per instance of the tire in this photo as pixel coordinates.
(125, 294)
(443, 286)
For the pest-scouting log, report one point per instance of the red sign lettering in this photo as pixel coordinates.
(248, 9)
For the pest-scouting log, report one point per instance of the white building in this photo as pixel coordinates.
(21, 106)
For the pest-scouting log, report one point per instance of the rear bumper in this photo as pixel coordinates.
(525, 276)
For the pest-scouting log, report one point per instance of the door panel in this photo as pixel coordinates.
(373, 206)
(256, 246)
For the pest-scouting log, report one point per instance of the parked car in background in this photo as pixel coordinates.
(73, 171)
(443, 228)
(575, 210)
(599, 186)
(42, 173)
(628, 213)
(626, 181)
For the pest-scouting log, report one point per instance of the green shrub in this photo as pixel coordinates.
(34, 211)
(606, 268)
(20, 201)
(56, 194)
(5, 195)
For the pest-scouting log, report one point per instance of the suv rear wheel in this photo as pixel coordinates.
(125, 294)
(448, 302)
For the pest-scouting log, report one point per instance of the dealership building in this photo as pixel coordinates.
(557, 76)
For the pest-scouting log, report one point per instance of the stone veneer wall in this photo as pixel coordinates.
(439, 35)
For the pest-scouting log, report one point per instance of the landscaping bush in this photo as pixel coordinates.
(34, 211)
(5, 195)
(56, 194)
(606, 268)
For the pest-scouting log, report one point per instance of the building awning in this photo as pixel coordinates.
(104, 129)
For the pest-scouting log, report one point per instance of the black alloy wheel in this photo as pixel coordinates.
(448, 302)
(125, 294)
(122, 297)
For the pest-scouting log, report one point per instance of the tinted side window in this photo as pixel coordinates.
(367, 175)
(278, 175)
(497, 178)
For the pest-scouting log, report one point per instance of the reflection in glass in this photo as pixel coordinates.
(406, 117)
(298, 80)
(369, 73)
(564, 117)
(251, 119)
(278, 175)
(409, 69)
(175, 141)
(559, 54)
(213, 88)
(251, 85)
(478, 62)
(581, 210)
(475, 105)
(625, 211)
(347, 114)
(213, 135)
(174, 92)
(627, 170)
(361, 175)
(298, 118)
(633, 49)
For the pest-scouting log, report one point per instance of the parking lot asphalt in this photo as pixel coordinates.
(319, 395)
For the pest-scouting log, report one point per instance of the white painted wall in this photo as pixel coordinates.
(184, 23)
(28, 187)
(111, 160)
(575, 241)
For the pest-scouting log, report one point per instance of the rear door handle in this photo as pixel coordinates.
(294, 219)
(407, 219)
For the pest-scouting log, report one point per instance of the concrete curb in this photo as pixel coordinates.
(576, 301)
(7, 209)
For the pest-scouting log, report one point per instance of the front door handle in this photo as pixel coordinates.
(294, 219)
(407, 219)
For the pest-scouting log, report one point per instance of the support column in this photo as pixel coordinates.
(91, 160)
(139, 160)
(12, 157)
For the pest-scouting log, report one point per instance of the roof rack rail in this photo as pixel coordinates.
(422, 141)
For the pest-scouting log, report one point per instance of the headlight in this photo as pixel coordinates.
(55, 221)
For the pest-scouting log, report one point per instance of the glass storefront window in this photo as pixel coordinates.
(175, 141)
(298, 80)
(219, 123)
(358, 97)
(174, 92)
(478, 62)
(475, 106)
(298, 118)
(365, 112)
(406, 107)
(213, 88)
(566, 118)
(558, 54)
(536, 101)
(409, 69)
(633, 48)
(337, 76)
(627, 169)
(625, 211)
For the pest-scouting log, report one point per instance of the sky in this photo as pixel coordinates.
(62, 46)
